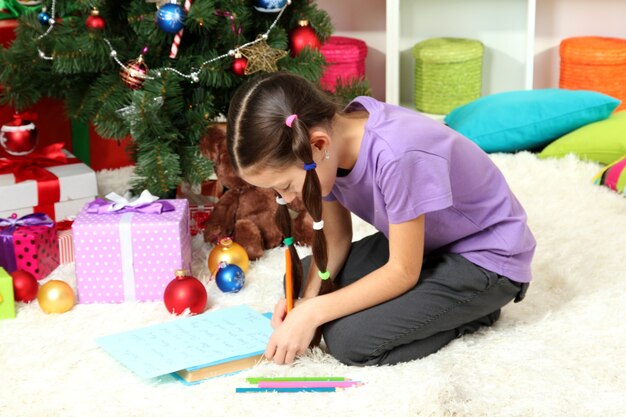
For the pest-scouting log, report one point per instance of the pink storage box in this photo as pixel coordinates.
(345, 58)
(130, 256)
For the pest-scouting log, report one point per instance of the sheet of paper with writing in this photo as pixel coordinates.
(209, 338)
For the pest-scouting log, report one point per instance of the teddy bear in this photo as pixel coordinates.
(245, 212)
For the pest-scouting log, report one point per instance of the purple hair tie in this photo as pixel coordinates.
(308, 167)
(289, 120)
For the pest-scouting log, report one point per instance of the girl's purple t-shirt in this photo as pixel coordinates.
(409, 165)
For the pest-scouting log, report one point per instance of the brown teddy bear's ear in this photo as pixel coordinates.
(211, 141)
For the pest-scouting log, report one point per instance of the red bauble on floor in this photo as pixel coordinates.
(25, 286)
(185, 292)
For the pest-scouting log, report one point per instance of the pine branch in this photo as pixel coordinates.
(157, 170)
(346, 91)
(168, 116)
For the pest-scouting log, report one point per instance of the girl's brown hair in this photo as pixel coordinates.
(258, 137)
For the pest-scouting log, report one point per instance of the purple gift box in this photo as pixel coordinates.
(130, 254)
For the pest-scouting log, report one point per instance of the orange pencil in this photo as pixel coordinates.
(288, 281)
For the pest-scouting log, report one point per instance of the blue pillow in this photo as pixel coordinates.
(528, 119)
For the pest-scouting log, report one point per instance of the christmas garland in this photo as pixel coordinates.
(261, 57)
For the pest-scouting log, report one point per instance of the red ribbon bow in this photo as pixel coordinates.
(31, 167)
(64, 225)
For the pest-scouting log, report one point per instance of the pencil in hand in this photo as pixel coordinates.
(288, 281)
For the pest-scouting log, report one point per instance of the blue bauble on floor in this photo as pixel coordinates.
(230, 278)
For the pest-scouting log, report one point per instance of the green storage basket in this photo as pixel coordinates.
(448, 73)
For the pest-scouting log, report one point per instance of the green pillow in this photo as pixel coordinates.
(528, 119)
(603, 141)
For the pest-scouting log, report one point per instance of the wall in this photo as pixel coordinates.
(558, 19)
(555, 20)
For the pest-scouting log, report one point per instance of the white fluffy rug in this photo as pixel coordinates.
(562, 352)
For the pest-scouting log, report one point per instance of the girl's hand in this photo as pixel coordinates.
(280, 311)
(292, 336)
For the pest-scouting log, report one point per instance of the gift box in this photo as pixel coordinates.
(29, 243)
(7, 31)
(66, 241)
(199, 215)
(7, 302)
(49, 180)
(129, 251)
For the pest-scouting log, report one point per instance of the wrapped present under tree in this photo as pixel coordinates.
(129, 250)
(48, 180)
(29, 243)
(7, 302)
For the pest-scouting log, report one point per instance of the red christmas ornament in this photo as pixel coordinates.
(95, 22)
(25, 286)
(302, 36)
(134, 73)
(239, 65)
(19, 137)
(185, 292)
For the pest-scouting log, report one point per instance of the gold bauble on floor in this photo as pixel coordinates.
(55, 296)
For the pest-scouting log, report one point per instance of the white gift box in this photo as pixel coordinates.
(77, 186)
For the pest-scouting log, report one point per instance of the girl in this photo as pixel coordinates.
(453, 245)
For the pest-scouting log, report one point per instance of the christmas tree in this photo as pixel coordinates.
(160, 72)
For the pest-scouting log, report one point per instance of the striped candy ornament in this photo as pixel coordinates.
(179, 35)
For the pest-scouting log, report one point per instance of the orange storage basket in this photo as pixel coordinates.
(594, 63)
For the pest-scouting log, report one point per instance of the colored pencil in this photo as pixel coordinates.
(257, 379)
(308, 384)
(288, 281)
(249, 390)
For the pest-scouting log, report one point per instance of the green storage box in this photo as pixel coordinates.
(448, 73)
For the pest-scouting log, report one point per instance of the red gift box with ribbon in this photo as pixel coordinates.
(48, 180)
(29, 243)
(199, 215)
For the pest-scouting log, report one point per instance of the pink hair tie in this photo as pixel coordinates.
(289, 120)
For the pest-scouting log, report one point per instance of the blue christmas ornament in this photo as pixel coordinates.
(44, 18)
(230, 278)
(269, 6)
(170, 18)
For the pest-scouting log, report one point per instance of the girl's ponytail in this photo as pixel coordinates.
(268, 126)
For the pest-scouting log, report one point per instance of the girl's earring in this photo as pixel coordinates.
(326, 154)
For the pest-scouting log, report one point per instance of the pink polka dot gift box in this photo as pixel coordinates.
(29, 243)
(129, 250)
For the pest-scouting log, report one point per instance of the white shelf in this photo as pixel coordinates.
(521, 37)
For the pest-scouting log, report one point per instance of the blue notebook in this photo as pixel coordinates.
(198, 347)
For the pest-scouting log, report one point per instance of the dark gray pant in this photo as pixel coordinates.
(452, 297)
